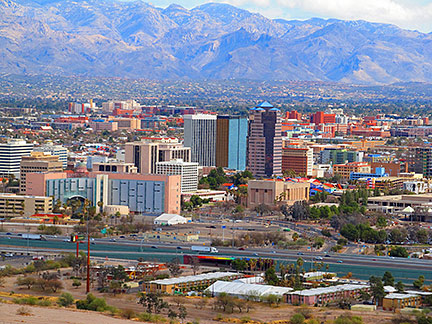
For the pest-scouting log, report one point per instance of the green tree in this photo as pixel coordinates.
(419, 282)
(422, 236)
(400, 288)
(388, 279)
(381, 222)
(262, 209)
(377, 289)
(270, 276)
(300, 210)
(399, 251)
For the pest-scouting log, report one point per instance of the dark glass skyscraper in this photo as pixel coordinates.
(231, 134)
(264, 141)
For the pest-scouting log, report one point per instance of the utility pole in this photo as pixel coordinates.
(88, 251)
(88, 263)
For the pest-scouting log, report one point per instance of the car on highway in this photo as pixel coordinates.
(9, 255)
(241, 249)
(327, 255)
(66, 240)
(154, 247)
(339, 261)
(255, 254)
(179, 248)
(318, 258)
(122, 236)
(113, 240)
(8, 233)
(300, 253)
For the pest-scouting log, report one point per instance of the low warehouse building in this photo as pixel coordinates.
(245, 290)
(188, 283)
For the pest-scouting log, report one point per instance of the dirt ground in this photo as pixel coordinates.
(205, 315)
(44, 315)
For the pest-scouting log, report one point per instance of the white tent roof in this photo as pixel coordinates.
(168, 217)
(408, 209)
(244, 289)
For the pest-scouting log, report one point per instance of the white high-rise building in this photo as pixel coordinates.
(11, 154)
(200, 136)
(187, 170)
(58, 150)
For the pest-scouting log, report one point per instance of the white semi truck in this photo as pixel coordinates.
(202, 248)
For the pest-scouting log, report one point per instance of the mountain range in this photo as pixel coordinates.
(134, 39)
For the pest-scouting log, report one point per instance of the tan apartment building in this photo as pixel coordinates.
(38, 162)
(395, 302)
(270, 191)
(126, 123)
(12, 205)
(145, 154)
(115, 166)
(344, 170)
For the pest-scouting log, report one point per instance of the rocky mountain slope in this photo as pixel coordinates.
(111, 38)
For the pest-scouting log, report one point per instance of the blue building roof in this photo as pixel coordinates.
(265, 104)
(260, 109)
(274, 109)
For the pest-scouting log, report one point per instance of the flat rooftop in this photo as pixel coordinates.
(204, 276)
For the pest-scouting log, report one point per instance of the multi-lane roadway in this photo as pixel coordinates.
(361, 266)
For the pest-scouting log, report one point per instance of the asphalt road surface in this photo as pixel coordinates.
(361, 266)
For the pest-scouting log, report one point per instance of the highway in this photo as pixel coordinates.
(361, 266)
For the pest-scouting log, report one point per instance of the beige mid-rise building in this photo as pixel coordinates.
(270, 191)
(115, 166)
(12, 205)
(38, 162)
(145, 154)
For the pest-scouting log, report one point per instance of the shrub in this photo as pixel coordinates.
(26, 301)
(76, 283)
(24, 311)
(94, 304)
(348, 319)
(297, 319)
(65, 300)
(152, 318)
(128, 313)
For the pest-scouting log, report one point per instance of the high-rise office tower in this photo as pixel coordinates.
(264, 141)
(200, 136)
(11, 154)
(420, 160)
(231, 138)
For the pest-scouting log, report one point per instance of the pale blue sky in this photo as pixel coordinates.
(409, 14)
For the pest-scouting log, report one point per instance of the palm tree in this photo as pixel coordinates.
(7, 208)
(100, 205)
